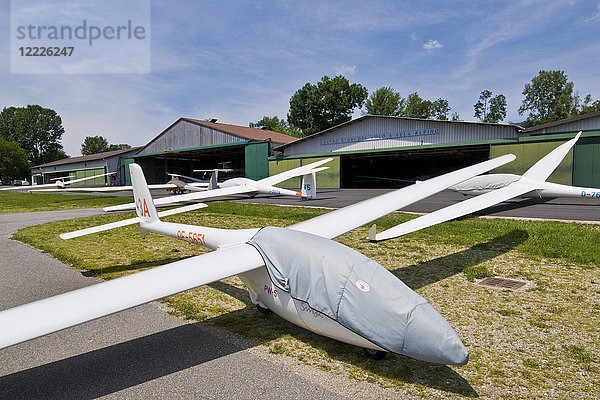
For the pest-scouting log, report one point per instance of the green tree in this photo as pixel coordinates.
(440, 109)
(120, 146)
(94, 145)
(490, 109)
(276, 125)
(330, 102)
(36, 129)
(385, 101)
(417, 107)
(549, 97)
(13, 161)
(589, 106)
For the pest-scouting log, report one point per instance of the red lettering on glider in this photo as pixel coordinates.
(272, 292)
(193, 237)
(143, 208)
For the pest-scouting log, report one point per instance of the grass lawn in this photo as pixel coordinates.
(542, 342)
(11, 202)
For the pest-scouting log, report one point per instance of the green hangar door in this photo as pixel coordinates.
(257, 164)
(586, 165)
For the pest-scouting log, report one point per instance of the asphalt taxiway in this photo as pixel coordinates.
(138, 353)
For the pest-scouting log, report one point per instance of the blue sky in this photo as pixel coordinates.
(237, 61)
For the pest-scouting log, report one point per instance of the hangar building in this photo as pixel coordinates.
(188, 144)
(369, 151)
(379, 151)
(84, 166)
(191, 144)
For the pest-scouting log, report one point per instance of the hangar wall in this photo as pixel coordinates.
(184, 134)
(379, 133)
(327, 179)
(528, 154)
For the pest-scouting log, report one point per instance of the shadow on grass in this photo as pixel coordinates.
(250, 323)
(424, 273)
(129, 267)
(512, 205)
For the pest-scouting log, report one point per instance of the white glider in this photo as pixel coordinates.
(296, 272)
(60, 183)
(247, 186)
(496, 188)
(174, 185)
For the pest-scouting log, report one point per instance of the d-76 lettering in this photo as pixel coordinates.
(593, 195)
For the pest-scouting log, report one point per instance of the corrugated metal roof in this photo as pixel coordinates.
(345, 124)
(544, 127)
(91, 157)
(245, 132)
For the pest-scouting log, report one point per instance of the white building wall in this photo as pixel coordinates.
(383, 132)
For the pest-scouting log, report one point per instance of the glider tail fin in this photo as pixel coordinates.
(144, 205)
(309, 186)
(212, 183)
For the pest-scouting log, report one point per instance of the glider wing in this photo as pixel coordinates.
(340, 221)
(57, 184)
(454, 211)
(172, 200)
(292, 173)
(542, 169)
(69, 309)
(130, 221)
(166, 186)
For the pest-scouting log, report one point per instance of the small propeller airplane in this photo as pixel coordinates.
(496, 188)
(297, 272)
(60, 183)
(236, 186)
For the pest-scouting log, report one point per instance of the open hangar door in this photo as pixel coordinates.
(185, 162)
(396, 169)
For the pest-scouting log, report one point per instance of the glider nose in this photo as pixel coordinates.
(429, 337)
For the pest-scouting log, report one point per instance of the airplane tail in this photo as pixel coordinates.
(212, 183)
(309, 186)
(144, 206)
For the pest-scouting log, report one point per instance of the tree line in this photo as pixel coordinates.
(548, 97)
(32, 136)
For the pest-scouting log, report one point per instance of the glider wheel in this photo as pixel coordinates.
(263, 310)
(375, 354)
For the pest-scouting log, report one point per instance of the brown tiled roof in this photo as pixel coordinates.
(245, 132)
(91, 157)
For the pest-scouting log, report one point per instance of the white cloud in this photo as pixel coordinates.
(596, 16)
(432, 44)
(345, 70)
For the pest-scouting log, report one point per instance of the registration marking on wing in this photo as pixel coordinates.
(590, 195)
